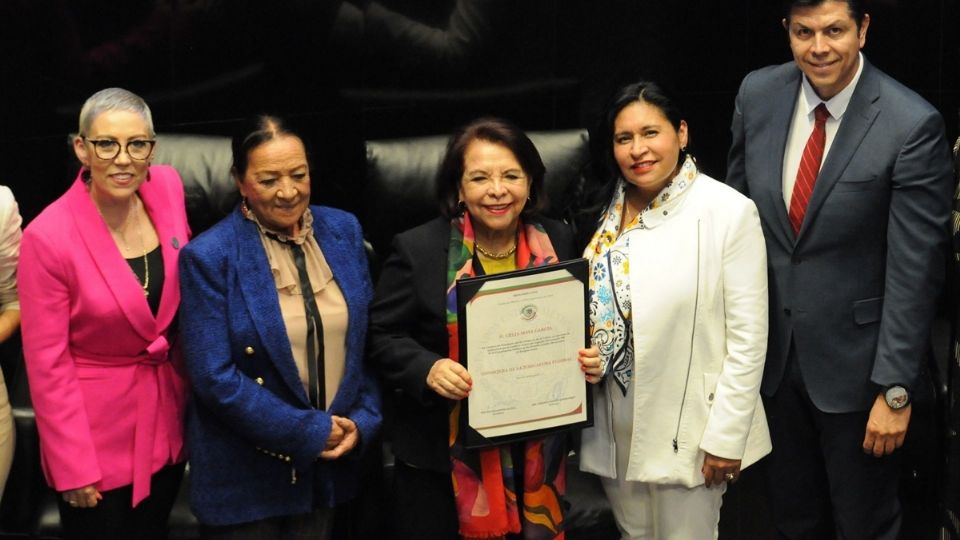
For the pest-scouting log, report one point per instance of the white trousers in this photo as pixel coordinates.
(664, 512)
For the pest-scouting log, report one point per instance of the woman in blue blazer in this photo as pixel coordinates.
(282, 401)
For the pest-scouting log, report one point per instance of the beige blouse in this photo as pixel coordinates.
(329, 298)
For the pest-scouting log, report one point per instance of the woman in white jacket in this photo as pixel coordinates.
(678, 310)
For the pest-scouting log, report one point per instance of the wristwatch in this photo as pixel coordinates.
(897, 396)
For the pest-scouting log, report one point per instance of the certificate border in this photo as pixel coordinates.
(467, 288)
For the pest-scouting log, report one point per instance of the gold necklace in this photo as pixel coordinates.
(496, 256)
(146, 261)
(143, 246)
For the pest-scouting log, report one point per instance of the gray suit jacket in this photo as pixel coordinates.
(856, 289)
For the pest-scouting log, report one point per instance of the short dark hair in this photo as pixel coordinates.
(855, 7)
(497, 131)
(254, 132)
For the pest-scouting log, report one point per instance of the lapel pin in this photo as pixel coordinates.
(175, 243)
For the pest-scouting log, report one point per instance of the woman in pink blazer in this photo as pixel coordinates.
(99, 295)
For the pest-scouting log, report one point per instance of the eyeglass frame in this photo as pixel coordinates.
(125, 147)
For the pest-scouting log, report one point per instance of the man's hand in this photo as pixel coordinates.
(886, 428)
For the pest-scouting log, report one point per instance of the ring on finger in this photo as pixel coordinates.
(729, 476)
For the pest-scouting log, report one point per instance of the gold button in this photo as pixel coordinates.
(249, 350)
(259, 380)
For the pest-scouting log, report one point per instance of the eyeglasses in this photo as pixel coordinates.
(482, 178)
(138, 149)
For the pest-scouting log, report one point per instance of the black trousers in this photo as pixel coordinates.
(113, 518)
(423, 504)
(316, 525)
(820, 482)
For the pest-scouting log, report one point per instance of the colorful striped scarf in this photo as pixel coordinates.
(484, 482)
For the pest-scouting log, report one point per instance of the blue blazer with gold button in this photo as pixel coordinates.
(252, 435)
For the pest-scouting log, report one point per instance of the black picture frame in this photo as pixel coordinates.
(467, 288)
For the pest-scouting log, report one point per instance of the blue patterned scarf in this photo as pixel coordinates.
(610, 274)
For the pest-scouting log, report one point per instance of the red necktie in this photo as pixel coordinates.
(809, 168)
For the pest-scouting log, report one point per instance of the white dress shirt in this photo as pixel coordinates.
(802, 125)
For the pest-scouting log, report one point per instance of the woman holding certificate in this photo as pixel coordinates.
(678, 308)
(490, 188)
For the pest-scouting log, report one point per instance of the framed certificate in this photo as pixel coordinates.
(519, 334)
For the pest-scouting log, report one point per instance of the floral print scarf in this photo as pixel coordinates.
(610, 270)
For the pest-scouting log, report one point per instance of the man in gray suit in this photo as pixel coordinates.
(854, 199)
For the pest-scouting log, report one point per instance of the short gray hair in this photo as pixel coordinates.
(114, 99)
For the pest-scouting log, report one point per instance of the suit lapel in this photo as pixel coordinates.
(113, 269)
(780, 115)
(334, 250)
(433, 248)
(160, 211)
(856, 121)
(260, 295)
(440, 265)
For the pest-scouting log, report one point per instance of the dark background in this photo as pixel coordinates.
(348, 72)
(354, 71)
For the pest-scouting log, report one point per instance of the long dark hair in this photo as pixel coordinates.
(587, 201)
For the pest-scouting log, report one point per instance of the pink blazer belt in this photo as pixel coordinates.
(156, 354)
